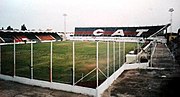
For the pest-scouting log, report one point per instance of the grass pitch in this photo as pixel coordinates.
(85, 60)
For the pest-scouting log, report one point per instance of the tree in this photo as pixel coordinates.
(23, 27)
(9, 28)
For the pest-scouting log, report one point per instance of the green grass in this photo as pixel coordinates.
(85, 59)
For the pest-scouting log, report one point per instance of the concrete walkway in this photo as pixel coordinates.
(11, 89)
(161, 81)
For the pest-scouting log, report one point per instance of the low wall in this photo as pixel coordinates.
(116, 74)
(51, 85)
(77, 89)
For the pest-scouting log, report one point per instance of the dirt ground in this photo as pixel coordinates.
(155, 82)
(12, 89)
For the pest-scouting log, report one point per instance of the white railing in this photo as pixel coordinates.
(74, 88)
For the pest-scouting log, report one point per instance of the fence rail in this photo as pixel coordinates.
(65, 63)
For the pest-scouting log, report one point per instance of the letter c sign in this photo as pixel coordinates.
(98, 32)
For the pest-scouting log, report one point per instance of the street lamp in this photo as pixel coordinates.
(171, 12)
(64, 24)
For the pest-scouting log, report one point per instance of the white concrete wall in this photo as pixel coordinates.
(131, 58)
(51, 85)
(77, 89)
(120, 39)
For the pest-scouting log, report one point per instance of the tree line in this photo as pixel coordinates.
(23, 28)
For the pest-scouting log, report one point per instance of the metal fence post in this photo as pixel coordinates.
(108, 59)
(73, 64)
(114, 59)
(124, 58)
(119, 54)
(137, 52)
(31, 61)
(14, 67)
(97, 68)
(51, 63)
(0, 60)
(154, 48)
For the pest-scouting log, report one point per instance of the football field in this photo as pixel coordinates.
(62, 60)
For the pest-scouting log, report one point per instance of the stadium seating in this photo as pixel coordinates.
(56, 36)
(6, 37)
(20, 38)
(10, 36)
(1, 40)
(44, 37)
(32, 37)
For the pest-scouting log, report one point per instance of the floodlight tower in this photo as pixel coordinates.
(64, 24)
(171, 13)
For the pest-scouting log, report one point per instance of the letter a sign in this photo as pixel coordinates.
(118, 32)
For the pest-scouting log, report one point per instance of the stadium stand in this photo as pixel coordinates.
(7, 36)
(20, 38)
(127, 31)
(174, 46)
(57, 37)
(32, 37)
(128, 34)
(44, 37)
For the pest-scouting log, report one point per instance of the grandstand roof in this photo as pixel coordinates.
(20, 31)
(127, 31)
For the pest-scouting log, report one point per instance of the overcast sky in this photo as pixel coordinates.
(43, 14)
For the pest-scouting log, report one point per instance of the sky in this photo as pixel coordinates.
(48, 14)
